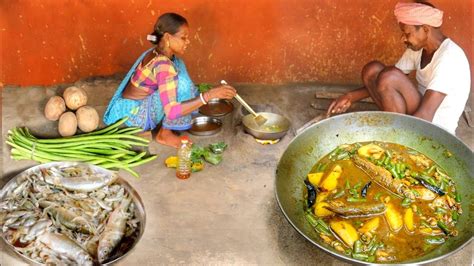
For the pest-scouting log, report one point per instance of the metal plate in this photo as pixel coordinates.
(205, 126)
(139, 209)
(217, 107)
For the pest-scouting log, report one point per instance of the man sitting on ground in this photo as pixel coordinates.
(442, 72)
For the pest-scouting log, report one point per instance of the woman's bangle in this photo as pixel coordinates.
(202, 98)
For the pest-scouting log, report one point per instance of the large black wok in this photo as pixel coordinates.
(319, 139)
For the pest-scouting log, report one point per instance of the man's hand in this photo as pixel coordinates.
(340, 105)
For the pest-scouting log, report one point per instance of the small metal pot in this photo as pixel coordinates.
(205, 126)
(216, 108)
(275, 127)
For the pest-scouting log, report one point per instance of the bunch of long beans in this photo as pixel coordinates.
(110, 147)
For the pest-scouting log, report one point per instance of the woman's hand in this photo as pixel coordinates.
(220, 92)
(340, 105)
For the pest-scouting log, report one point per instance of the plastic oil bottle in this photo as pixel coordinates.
(183, 169)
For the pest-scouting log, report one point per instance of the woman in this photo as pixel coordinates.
(158, 89)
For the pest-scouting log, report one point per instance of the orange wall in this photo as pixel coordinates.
(262, 41)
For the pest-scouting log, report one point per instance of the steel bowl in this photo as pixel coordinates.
(275, 127)
(205, 126)
(139, 210)
(217, 108)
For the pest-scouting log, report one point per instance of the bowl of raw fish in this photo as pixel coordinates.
(70, 213)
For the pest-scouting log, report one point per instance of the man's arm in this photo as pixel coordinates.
(429, 104)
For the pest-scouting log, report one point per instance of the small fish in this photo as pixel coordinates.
(61, 244)
(384, 178)
(37, 229)
(66, 217)
(114, 230)
(355, 210)
(83, 183)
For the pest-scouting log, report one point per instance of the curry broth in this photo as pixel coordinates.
(340, 208)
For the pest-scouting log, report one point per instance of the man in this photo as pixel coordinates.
(442, 72)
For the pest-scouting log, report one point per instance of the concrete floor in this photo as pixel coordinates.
(226, 214)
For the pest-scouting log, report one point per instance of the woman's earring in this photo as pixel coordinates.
(168, 44)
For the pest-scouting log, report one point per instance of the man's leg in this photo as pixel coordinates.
(370, 73)
(396, 92)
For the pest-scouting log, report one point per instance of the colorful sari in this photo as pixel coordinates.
(149, 113)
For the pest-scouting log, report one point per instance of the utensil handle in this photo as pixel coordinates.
(244, 104)
(241, 101)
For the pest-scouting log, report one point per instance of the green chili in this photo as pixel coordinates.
(352, 199)
(358, 185)
(360, 256)
(444, 228)
(339, 194)
(458, 197)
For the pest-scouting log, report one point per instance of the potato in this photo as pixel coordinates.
(408, 219)
(319, 209)
(371, 150)
(345, 231)
(394, 218)
(370, 226)
(75, 97)
(67, 124)
(54, 108)
(315, 178)
(87, 119)
(330, 182)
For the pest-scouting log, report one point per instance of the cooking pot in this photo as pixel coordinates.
(275, 127)
(319, 139)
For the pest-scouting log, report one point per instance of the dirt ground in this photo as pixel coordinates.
(226, 214)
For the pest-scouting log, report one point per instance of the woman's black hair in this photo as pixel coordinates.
(167, 23)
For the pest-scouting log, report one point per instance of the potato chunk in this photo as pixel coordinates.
(394, 218)
(371, 225)
(345, 231)
(408, 219)
(319, 209)
(371, 150)
(330, 182)
(315, 178)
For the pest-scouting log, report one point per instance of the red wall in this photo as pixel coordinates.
(262, 41)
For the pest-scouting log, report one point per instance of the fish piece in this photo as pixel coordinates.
(421, 160)
(37, 229)
(114, 230)
(345, 231)
(355, 210)
(383, 178)
(66, 217)
(424, 193)
(66, 247)
(82, 183)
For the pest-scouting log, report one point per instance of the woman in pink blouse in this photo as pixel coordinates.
(158, 89)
